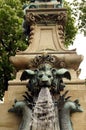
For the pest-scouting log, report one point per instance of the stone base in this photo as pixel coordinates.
(9, 121)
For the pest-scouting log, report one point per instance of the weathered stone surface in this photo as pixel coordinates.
(46, 36)
(67, 60)
(9, 121)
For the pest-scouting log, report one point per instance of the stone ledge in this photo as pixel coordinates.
(18, 82)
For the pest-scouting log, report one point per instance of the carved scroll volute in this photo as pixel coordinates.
(30, 17)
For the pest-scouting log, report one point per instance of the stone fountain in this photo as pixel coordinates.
(45, 72)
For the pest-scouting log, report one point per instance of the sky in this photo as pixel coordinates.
(80, 45)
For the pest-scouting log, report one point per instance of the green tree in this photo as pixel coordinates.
(82, 16)
(70, 28)
(12, 39)
(79, 13)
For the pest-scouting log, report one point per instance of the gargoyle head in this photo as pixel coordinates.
(45, 76)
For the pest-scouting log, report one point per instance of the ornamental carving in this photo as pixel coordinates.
(40, 18)
(46, 58)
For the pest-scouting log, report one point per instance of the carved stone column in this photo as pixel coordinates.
(47, 36)
(47, 30)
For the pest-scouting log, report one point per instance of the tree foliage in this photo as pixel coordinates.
(70, 28)
(12, 38)
(82, 16)
(79, 13)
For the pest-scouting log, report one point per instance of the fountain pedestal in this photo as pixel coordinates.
(46, 36)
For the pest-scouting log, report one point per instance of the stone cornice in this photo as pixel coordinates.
(46, 16)
(72, 82)
(60, 60)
